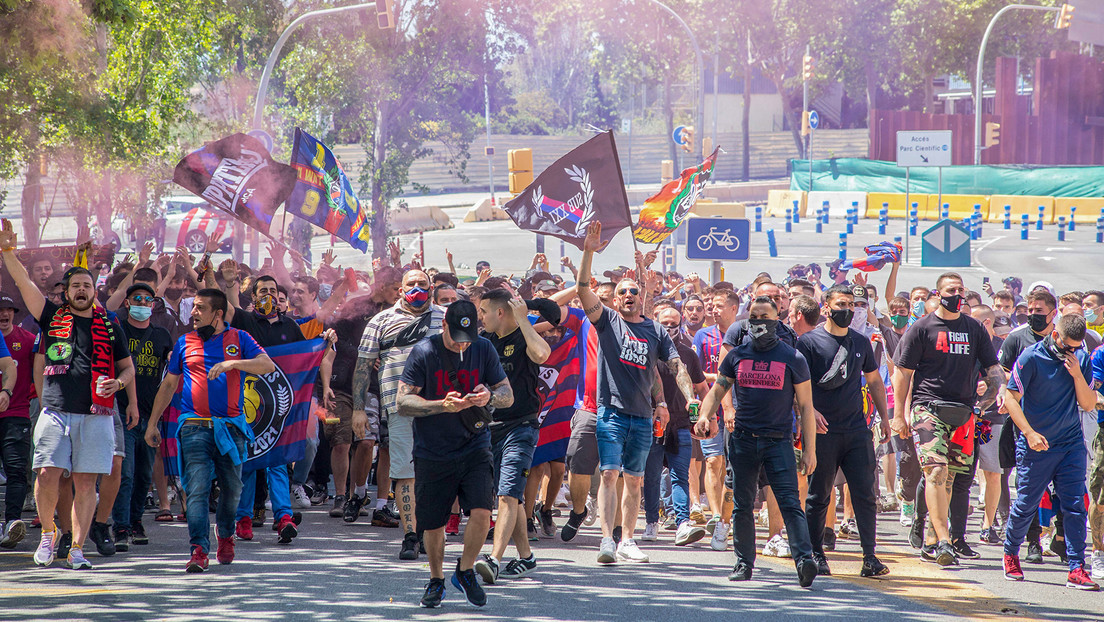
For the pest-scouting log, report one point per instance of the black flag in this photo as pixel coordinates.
(582, 186)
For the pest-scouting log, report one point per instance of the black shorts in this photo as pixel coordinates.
(437, 483)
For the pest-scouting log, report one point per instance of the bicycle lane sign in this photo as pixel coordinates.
(718, 239)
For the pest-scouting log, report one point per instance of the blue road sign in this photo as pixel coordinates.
(678, 136)
(718, 239)
(814, 119)
(264, 137)
(945, 245)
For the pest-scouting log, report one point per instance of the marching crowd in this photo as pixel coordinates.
(710, 406)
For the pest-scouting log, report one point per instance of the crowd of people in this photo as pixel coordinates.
(709, 407)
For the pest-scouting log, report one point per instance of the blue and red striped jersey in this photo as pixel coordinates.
(193, 358)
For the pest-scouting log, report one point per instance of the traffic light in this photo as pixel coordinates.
(807, 67)
(688, 139)
(385, 14)
(992, 134)
(1065, 16)
(520, 163)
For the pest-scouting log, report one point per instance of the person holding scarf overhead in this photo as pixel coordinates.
(87, 362)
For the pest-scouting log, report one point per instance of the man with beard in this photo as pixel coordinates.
(693, 312)
(15, 426)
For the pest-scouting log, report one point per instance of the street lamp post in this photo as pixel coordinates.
(980, 63)
(699, 114)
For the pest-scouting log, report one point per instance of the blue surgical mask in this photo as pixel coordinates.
(1091, 316)
(918, 308)
(140, 314)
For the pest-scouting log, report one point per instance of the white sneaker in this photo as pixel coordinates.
(712, 523)
(592, 512)
(651, 532)
(696, 514)
(607, 552)
(762, 519)
(299, 498)
(688, 533)
(908, 511)
(47, 548)
(629, 552)
(783, 547)
(719, 541)
(1097, 561)
(776, 547)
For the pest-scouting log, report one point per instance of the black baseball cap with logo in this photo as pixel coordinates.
(6, 302)
(462, 320)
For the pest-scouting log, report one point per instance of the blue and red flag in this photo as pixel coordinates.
(323, 194)
(877, 256)
(560, 378)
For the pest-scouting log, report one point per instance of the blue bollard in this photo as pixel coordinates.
(898, 240)
(789, 220)
(1039, 222)
(843, 246)
(1061, 228)
(914, 218)
(759, 219)
(796, 213)
(1073, 212)
(820, 218)
(850, 220)
(772, 245)
(824, 212)
(855, 211)
(945, 211)
(1023, 226)
(977, 225)
(883, 220)
(1100, 229)
(1007, 217)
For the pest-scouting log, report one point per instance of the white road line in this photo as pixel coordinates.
(977, 252)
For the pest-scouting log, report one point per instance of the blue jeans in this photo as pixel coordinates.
(513, 455)
(1065, 465)
(137, 475)
(679, 466)
(279, 492)
(303, 467)
(746, 454)
(201, 462)
(624, 441)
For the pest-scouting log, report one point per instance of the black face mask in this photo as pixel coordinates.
(1038, 321)
(174, 293)
(763, 334)
(842, 317)
(1057, 350)
(1021, 318)
(951, 303)
(206, 332)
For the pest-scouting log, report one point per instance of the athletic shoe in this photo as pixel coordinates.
(64, 544)
(607, 551)
(1097, 561)
(1058, 547)
(45, 554)
(617, 534)
(916, 534)
(945, 554)
(806, 571)
(352, 508)
(711, 524)
(338, 509)
(568, 531)
(740, 572)
(198, 562)
(908, 513)
(258, 516)
(719, 540)
(1012, 570)
(849, 530)
(671, 522)
(829, 541)
(520, 567)
(434, 592)
(1079, 579)
(452, 527)
(486, 567)
(77, 560)
(989, 536)
(963, 550)
(14, 531)
(299, 498)
(385, 517)
(286, 530)
(696, 514)
(776, 547)
(29, 504)
(531, 527)
(651, 532)
(100, 535)
(319, 495)
(465, 581)
(762, 519)
(628, 551)
(138, 534)
(1034, 553)
(688, 533)
(928, 552)
(822, 565)
(225, 552)
(244, 528)
(591, 512)
(888, 503)
(122, 539)
(409, 551)
(873, 567)
(547, 525)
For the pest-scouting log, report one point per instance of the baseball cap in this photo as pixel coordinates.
(545, 285)
(461, 319)
(859, 292)
(140, 287)
(1002, 324)
(6, 302)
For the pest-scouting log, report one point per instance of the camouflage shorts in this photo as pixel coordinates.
(941, 445)
(1096, 471)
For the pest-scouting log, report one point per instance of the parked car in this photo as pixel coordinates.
(199, 224)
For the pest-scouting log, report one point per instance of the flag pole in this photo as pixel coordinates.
(624, 191)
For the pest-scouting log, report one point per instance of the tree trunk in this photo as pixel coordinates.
(669, 117)
(791, 116)
(30, 202)
(379, 201)
(745, 115)
(871, 91)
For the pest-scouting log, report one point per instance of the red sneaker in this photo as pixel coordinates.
(286, 529)
(452, 528)
(225, 552)
(198, 562)
(244, 530)
(1012, 570)
(1079, 579)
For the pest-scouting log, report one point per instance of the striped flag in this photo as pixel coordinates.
(560, 377)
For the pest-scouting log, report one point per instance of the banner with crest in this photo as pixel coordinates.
(665, 211)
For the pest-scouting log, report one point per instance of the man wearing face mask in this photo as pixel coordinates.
(389, 338)
(1093, 304)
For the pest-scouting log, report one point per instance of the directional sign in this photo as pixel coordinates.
(679, 135)
(718, 239)
(814, 119)
(945, 245)
(924, 148)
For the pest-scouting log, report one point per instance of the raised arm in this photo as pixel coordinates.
(32, 297)
(536, 347)
(592, 306)
(117, 298)
(891, 285)
(231, 287)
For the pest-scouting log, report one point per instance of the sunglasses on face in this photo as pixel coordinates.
(628, 290)
(141, 299)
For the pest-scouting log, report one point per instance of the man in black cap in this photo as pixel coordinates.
(444, 386)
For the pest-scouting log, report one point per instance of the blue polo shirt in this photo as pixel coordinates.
(1049, 399)
(1098, 377)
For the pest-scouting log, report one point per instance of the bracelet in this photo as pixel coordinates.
(7, 248)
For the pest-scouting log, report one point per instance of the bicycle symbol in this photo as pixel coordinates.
(724, 239)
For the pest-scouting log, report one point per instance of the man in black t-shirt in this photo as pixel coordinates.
(939, 358)
(767, 376)
(839, 359)
(514, 430)
(444, 381)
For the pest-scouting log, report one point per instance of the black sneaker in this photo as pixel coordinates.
(945, 554)
(829, 542)
(873, 567)
(409, 551)
(487, 568)
(547, 525)
(434, 592)
(520, 567)
(1058, 547)
(531, 528)
(259, 516)
(65, 542)
(806, 571)
(822, 565)
(1034, 553)
(352, 508)
(100, 535)
(574, 521)
(122, 540)
(138, 535)
(740, 572)
(338, 509)
(319, 496)
(989, 536)
(963, 550)
(928, 552)
(916, 534)
(617, 534)
(465, 581)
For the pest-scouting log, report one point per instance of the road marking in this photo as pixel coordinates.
(1047, 258)
(981, 247)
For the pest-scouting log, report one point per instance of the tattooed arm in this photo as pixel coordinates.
(411, 404)
(994, 380)
(502, 395)
(682, 378)
(712, 400)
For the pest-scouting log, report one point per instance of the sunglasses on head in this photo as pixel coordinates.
(628, 290)
(142, 298)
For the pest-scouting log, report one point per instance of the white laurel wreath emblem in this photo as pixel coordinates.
(581, 176)
(538, 197)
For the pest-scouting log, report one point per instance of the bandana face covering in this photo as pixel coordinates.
(266, 306)
(762, 334)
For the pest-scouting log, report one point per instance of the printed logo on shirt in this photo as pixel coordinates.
(508, 351)
(17, 346)
(634, 351)
(232, 350)
(761, 374)
(59, 351)
(949, 342)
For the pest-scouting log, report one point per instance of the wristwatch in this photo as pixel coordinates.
(662, 405)
(8, 391)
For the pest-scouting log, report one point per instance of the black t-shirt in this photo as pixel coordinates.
(523, 374)
(1015, 343)
(266, 333)
(72, 391)
(149, 348)
(764, 387)
(676, 401)
(842, 406)
(946, 356)
(354, 318)
(892, 340)
(443, 436)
